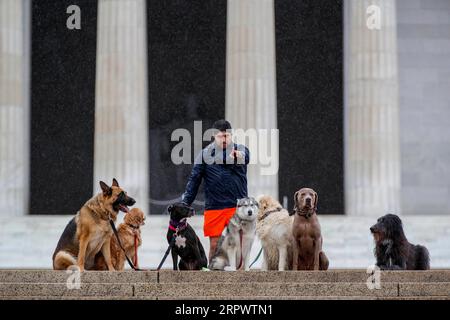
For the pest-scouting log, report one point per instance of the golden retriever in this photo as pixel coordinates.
(274, 229)
(130, 237)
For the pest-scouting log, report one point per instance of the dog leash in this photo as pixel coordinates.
(111, 222)
(278, 209)
(257, 257)
(135, 262)
(171, 244)
(240, 238)
(183, 225)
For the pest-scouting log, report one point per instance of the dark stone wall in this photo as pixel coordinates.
(309, 54)
(186, 65)
(62, 107)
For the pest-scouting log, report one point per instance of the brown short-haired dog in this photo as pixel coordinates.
(89, 232)
(129, 232)
(307, 246)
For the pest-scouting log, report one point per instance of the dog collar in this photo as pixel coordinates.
(133, 226)
(246, 220)
(265, 215)
(177, 225)
(306, 214)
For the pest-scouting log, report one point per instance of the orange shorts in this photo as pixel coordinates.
(216, 221)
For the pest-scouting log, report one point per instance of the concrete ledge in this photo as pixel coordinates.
(76, 298)
(309, 298)
(356, 275)
(61, 290)
(332, 284)
(264, 298)
(166, 276)
(425, 289)
(51, 276)
(235, 298)
(266, 289)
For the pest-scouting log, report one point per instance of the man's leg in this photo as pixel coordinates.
(212, 246)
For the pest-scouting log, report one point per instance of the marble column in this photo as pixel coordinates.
(121, 102)
(372, 150)
(14, 106)
(250, 82)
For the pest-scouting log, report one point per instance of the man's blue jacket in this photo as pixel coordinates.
(225, 179)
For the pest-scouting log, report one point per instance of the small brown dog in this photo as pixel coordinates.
(307, 247)
(130, 237)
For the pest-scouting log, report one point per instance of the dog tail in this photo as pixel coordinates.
(422, 258)
(63, 260)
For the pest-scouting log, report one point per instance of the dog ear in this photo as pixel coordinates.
(295, 203)
(115, 183)
(295, 196)
(316, 200)
(105, 188)
(170, 208)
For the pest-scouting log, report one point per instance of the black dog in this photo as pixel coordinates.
(185, 242)
(392, 249)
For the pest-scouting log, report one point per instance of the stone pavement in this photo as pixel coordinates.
(28, 242)
(334, 284)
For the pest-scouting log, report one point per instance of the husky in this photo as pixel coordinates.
(235, 244)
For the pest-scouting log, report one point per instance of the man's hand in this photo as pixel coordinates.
(236, 154)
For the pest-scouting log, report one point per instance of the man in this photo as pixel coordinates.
(223, 167)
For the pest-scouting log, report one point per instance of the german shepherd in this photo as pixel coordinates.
(89, 232)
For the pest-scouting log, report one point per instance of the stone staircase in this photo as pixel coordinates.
(332, 284)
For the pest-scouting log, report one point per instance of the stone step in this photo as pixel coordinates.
(263, 289)
(51, 276)
(168, 276)
(232, 298)
(334, 276)
(61, 290)
(219, 290)
(166, 284)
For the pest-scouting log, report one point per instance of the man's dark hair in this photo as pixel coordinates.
(222, 125)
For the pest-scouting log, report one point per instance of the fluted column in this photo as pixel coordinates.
(14, 107)
(250, 81)
(372, 150)
(121, 123)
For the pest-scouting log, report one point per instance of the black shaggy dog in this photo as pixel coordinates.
(392, 249)
(185, 243)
